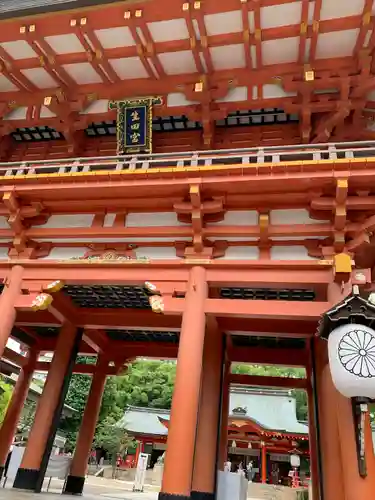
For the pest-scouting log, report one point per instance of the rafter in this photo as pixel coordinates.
(94, 50)
(47, 57)
(204, 40)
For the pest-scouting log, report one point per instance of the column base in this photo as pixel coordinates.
(200, 495)
(2, 469)
(172, 496)
(26, 479)
(74, 485)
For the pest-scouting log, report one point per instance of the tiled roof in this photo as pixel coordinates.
(272, 409)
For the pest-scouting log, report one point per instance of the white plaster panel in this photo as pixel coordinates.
(113, 240)
(280, 51)
(272, 90)
(281, 15)
(129, 68)
(110, 38)
(234, 94)
(292, 216)
(109, 219)
(4, 252)
(241, 253)
(46, 112)
(178, 99)
(4, 223)
(19, 49)
(178, 63)
(332, 10)
(336, 44)
(233, 238)
(65, 44)
(297, 238)
(99, 106)
(228, 56)
(6, 85)
(76, 220)
(223, 23)
(65, 253)
(17, 114)
(165, 253)
(39, 77)
(152, 219)
(82, 73)
(238, 218)
(169, 31)
(290, 253)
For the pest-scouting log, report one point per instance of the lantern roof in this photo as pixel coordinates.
(353, 308)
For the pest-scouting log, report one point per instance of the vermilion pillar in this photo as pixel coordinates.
(206, 447)
(16, 404)
(341, 478)
(223, 444)
(29, 472)
(178, 468)
(264, 463)
(313, 430)
(329, 444)
(12, 288)
(76, 479)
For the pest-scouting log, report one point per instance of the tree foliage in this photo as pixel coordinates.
(5, 395)
(77, 397)
(147, 384)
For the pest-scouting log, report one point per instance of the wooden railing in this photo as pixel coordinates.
(277, 154)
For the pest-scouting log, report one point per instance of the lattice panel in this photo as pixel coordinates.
(108, 296)
(143, 336)
(36, 134)
(268, 342)
(267, 294)
(258, 117)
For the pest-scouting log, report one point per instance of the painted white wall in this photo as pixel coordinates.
(4, 252)
(62, 221)
(65, 253)
(290, 253)
(292, 216)
(4, 223)
(109, 219)
(157, 252)
(238, 218)
(152, 219)
(241, 253)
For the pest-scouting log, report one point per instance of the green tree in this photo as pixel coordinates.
(113, 439)
(5, 395)
(77, 396)
(147, 384)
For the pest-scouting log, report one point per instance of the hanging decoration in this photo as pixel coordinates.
(351, 353)
(134, 124)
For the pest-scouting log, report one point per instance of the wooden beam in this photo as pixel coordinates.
(83, 369)
(14, 357)
(277, 309)
(256, 380)
(63, 309)
(262, 356)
